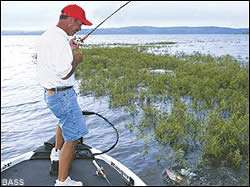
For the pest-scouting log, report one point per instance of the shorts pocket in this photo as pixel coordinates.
(56, 105)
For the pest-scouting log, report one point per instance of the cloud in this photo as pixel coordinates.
(41, 14)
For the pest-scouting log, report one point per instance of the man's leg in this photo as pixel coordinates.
(59, 138)
(66, 157)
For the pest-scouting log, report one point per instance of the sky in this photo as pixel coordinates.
(39, 15)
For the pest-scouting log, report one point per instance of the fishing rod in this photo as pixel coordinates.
(100, 172)
(80, 40)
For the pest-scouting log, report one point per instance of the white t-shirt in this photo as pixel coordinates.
(54, 59)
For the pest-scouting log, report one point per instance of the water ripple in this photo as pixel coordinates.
(18, 105)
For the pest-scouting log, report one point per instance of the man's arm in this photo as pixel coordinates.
(77, 59)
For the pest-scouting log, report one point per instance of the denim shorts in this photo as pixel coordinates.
(64, 106)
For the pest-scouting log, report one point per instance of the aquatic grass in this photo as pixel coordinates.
(217, 88)
(226, 139)
(117, 44)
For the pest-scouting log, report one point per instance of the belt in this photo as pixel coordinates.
(59, 88)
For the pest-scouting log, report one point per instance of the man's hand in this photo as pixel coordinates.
(73, 44)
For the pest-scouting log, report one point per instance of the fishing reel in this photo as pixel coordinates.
(100, 172)
(79, 41)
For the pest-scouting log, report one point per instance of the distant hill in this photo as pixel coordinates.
(149, 30)
(170, 30)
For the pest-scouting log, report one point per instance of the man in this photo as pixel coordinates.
(57, 60)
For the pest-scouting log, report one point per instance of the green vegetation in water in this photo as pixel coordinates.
(217, 116)
(150, 44)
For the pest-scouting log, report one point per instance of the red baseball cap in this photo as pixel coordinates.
(77, 12)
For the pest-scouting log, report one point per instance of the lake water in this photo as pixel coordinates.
(26, 122)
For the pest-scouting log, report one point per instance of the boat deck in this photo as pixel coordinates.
(36, 173)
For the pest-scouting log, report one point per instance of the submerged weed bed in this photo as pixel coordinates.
(208, 97)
